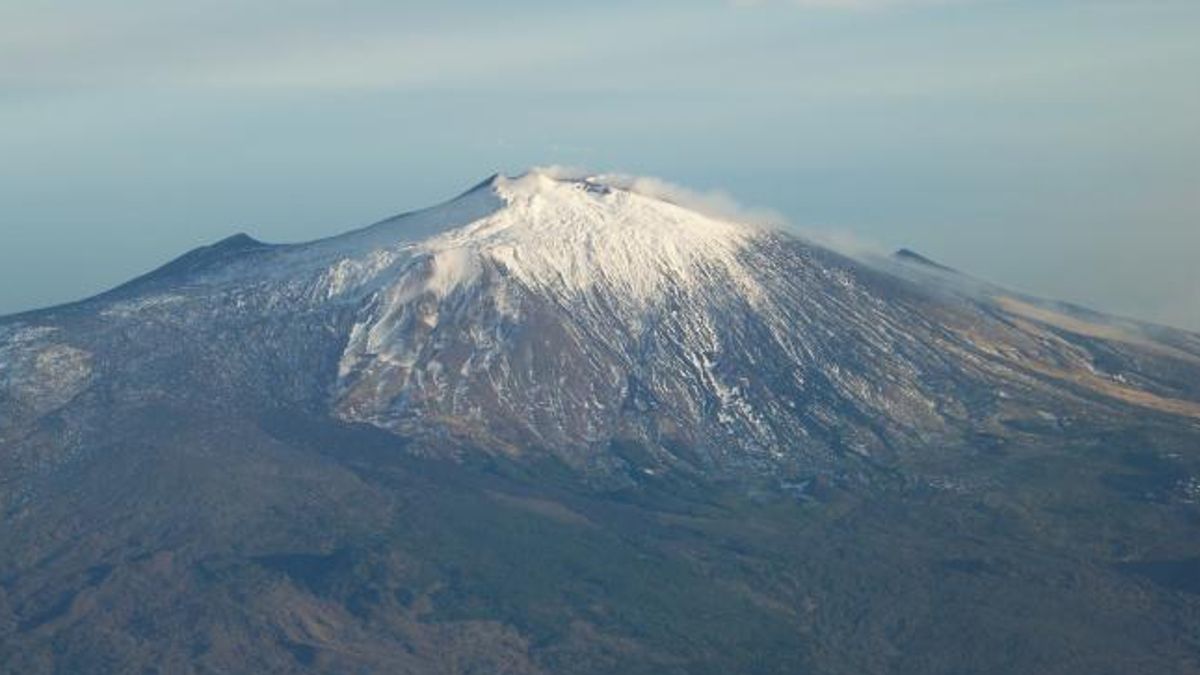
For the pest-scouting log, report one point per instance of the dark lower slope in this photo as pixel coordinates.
(282, 545)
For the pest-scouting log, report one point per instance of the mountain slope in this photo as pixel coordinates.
(341, 454)
(554, 316)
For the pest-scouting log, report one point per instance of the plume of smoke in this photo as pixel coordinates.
(846, 242)
(723, 206)
(715, 204)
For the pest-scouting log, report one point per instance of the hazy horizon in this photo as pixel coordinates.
(1049, 147)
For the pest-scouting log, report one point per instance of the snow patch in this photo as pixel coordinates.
(40, 374)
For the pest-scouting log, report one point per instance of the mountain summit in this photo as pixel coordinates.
(341, 455)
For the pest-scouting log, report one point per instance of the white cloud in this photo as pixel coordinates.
(313, 45)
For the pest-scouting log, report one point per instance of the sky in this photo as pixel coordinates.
(1051, 146)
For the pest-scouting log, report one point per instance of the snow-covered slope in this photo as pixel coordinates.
(581, 319)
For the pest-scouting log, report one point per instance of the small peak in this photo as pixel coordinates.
(197, 261)
(485, 184)
(238, 241)
(910, 256)
(208, 256)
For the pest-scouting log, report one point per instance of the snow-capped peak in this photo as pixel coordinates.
(552, 233)
(566, 235)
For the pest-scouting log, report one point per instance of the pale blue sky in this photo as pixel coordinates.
(1052, 146)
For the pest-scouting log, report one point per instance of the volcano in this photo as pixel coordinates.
(562, 425)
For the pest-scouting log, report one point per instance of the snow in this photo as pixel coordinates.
(131, 308)
(537, 300)
(570, 240)
(561, 235)
(570, 236)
